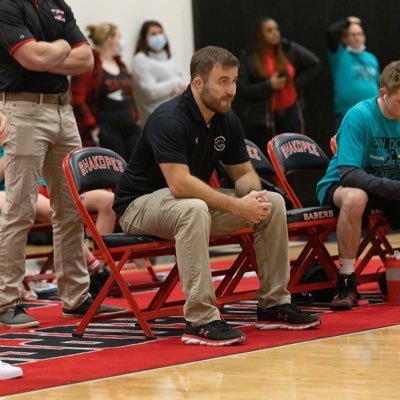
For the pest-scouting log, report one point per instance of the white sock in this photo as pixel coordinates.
(346, 265)
(95, 265)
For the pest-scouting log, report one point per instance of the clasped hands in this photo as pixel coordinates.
(257, 206)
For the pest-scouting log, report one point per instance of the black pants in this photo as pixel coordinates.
(289, 120)
(120, 138)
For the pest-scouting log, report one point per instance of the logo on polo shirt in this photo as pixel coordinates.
(219, 143)
(58, 14)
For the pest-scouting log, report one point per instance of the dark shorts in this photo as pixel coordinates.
(390, 209)
(328, 199)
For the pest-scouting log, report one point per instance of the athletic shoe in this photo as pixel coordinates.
(98, 278)
(346, 295)
(16, 317)
(84, 307)
(27, 295)
(8, 371)
(43, 287)
(215, 333)
(285, 316)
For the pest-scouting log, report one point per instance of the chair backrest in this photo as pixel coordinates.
(266, 171)
(259, 161)
(299, 163)
(93, 168)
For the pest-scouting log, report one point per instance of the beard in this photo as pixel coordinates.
(220, 105)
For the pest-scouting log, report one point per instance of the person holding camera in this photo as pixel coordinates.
(272, 74)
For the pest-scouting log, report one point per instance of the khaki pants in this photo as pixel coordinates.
(190, 222)
(40, 136)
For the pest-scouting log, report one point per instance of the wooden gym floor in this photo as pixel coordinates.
(358, 366)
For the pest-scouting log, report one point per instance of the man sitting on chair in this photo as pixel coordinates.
(364, 173)
(164, 192)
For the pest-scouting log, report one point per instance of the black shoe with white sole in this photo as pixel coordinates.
(215, 333)
(285, 316)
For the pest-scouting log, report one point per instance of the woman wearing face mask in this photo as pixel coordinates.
(355, 71)
(103, 102)
(273, 72)
(157, 76)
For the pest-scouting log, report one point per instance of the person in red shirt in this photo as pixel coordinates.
(272, 74)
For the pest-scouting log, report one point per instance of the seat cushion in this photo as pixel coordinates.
(308, 214)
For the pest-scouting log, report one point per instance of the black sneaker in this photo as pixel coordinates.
(285, 316)
(84, 307)
(346, 295)
(97, 280)
(215, 333)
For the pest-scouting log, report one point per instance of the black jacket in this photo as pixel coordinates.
(254, 91)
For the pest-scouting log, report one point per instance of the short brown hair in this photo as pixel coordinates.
(205, 59)
(390, 78)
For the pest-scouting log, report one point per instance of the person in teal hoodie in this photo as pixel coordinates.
(355, 71)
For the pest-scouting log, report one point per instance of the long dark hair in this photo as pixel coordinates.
(142, 45)
(257, 48)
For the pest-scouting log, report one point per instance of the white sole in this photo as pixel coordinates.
(294, 327)
(15, 373)
(187, 339)
(103, 314)
(26, 325)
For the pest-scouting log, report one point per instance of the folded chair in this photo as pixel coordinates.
(95, 168)
(374, 241)
(311, 223)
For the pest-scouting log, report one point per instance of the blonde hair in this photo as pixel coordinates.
(101, 32)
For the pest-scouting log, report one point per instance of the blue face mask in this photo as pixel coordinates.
(157, 42)
(121, 45)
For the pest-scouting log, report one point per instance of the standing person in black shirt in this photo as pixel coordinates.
(40, 44)
(164, 192)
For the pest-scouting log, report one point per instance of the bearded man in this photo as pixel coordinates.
(164, 192)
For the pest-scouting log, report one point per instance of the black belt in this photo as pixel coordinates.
(60, 99)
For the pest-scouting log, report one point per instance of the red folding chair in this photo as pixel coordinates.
(98, 168)
(374, 241)
(311, 223)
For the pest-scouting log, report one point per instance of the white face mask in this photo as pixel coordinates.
(157, 42)
(356, 51)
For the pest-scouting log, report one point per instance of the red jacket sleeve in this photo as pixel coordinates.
(83, 101)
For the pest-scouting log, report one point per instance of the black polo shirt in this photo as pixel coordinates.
(40, 20)
(177, 133)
